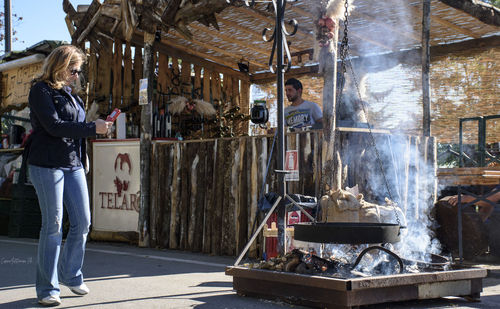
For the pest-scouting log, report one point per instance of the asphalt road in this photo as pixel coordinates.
(124, 276)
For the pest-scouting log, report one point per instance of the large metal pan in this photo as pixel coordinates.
(347, 232)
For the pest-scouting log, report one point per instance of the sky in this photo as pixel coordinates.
(42, 20)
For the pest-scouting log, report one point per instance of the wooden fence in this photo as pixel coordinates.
(114, 82)
(204, 193)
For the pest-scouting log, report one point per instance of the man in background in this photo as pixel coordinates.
(300, 113)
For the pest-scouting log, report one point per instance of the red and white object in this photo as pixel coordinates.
(292, 165)
(114, 114)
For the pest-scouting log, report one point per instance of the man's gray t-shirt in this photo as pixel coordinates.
(302, 115)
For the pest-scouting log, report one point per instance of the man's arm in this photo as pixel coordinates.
(317, 115)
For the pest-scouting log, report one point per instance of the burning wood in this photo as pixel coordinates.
(347, 263)
(303, 262)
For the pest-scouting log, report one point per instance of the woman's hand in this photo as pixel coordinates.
(102, 127)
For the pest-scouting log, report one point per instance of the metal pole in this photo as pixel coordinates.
(460, 144)
(281, 124)
(459, 224)
(426, 60)
(481, 141)
(8, 26)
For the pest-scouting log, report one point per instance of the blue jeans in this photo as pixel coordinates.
(53, 187)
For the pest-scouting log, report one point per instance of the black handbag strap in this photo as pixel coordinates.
(24, 165)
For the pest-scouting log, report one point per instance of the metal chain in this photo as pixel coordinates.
(344, 53)
(374, 145)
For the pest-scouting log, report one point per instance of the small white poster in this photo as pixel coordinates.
(292, 165)
(143, 91)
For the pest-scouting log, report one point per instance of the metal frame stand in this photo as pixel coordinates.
(280, 47)
(484, 157)
(462, 206)
(269, 213)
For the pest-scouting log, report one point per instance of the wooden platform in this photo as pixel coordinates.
(329, 292)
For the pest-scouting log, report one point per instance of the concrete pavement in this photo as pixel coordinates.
(123, 276)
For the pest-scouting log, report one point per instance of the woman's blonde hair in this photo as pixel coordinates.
(55, 66)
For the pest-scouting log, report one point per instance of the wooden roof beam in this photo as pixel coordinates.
(259, 15)
(439, 20)
(182, 52)
(85, 22)
(365, 38)
(487, 13)
(362, 37)
(372, 19)
(300, 11)
(268, 77)
(187, 50)
(89, 28)
(219, 50)
(216, 34)
(69, 25)
(255, 35)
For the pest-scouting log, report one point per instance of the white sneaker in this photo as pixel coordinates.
(81, 289)
(51, 300)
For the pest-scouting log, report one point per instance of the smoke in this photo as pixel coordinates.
(395, 167)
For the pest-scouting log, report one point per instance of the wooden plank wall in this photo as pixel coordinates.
(114, 75)
(207, 191)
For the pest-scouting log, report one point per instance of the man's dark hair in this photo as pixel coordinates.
(294, 82)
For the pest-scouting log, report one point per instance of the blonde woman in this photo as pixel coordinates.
(56, 162)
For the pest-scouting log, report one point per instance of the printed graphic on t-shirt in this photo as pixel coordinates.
(298, 118)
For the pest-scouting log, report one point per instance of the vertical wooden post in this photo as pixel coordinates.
(117, 89)
(426, 60)
(103, 76)
(328, 60)
(145, 150)
(127, 75)
(138, 66)
(245, 105)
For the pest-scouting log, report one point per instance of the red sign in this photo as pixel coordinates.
(292, 160)
(293, 217)
(121, 199)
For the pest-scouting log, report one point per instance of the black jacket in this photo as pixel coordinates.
(58, 138)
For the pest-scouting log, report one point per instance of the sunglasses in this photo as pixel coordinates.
(74, 72)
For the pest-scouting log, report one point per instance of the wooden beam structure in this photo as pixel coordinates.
(229, 54)
(260, 15)
(410, 57)
(390, 28)
(446, 23)
(86, 20)
(487, 13)
(192, 56)
(218, 35)
(268, 77)
(145, 144)
(257, 36)
(426, 64)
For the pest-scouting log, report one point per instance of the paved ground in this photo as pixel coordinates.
(123, 276)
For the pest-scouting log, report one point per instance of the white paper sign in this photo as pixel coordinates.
(116, 186)
(143, 91)
(292, 165)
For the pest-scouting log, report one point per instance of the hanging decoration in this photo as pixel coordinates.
(329, 12)
(180, 104)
